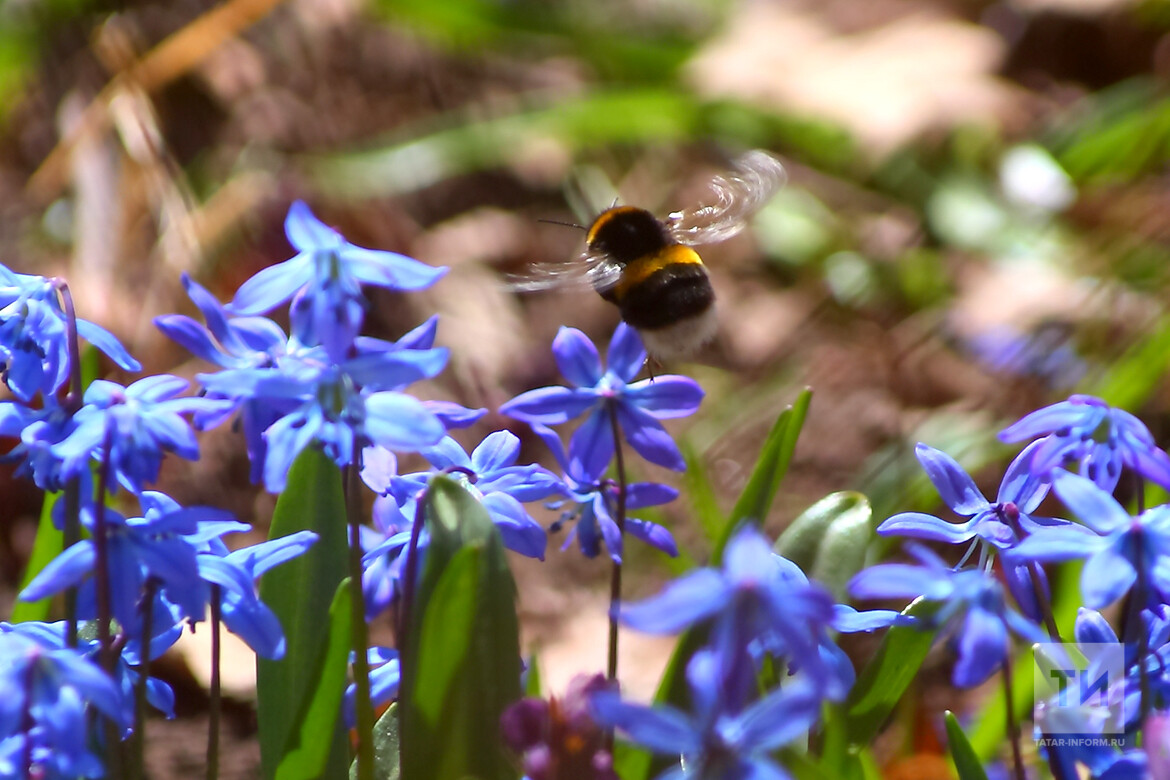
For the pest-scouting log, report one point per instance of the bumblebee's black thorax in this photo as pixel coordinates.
(627, 233)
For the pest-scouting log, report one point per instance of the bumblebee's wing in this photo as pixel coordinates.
(753, 180)
(592, 270)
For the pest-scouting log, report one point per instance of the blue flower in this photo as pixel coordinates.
(142, 421)
(34, 349)
(328, 272)
(44, 710)
(1101, 439)
(600, 393)
(714, 742)
(385, 675)
(39, 431)
(337, 404)
(592, 504)
(235, 573)
(491, 475)
(1117, 546)
(972, 605)
(760, 602)
(1000, 524)
(152, 546)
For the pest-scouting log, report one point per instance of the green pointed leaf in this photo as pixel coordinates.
(300, 593)
(50, 542)
(967, 764)
(887, 675)
(756, 498)
(532, 677)
(386, 747)
(461, 665)
(318, 715)
(700, 495)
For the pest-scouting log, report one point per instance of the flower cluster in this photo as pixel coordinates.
(1124, 558)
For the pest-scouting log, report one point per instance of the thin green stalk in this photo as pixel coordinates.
(406, 600)
(215, 704)
(1012, 724)
(359, 629)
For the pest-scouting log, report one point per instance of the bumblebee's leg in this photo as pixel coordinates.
(652, 365)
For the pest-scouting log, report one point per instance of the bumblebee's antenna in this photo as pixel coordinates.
(563, 224)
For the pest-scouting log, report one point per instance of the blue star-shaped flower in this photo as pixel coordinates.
(1116, 545)
(327, 272)
(716, 743)
(34, 349)
(1000, 524)
(602, 393)
(142, 421)
(593, 500)
(972, 606)
(1100, 438)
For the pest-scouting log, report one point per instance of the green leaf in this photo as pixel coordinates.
(967, 764)
(756, 498)
(461, 661)
(829, 540)
(532, 677)
(49, 543)
(300, 593)
(309, 746)
(701, 501)
(386, 747)
(888, 674)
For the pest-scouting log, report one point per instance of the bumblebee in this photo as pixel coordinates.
(647, 267)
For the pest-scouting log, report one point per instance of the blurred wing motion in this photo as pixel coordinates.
(754, 179)
(592, 271)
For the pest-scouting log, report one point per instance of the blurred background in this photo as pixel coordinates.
(975, 222)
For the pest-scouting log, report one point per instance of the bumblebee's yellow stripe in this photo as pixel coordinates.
(604, 218)
(640, 270)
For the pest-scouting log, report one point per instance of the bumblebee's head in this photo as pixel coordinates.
(626, 233)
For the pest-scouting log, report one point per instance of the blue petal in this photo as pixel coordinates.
(273, 286)
(108, 343)
(954, 485)
(647, 436)
(894, 580)
(1106, 578)
(666, 397)
(1095, 508)
(1059, 543)
(662, 729)
(626, 355)
(549, 405)
(591, 446)
(1092, 628)
(307, 233)
(285, 439)
(652, 534)
(848, 620)
(497, 450)
(684, 601)
(390, 269)
(577, 358)
(192, 337)
(778, 718)
(379, 466)
(520, 532)
(644, 494)
(68, 568)
(982, 646)
(1043, 421)
(398, 421)
(1020, 485)
(928, 527)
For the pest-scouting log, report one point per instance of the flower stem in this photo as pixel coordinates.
(102, 556)
(107, 659)
(138, 761)
(72, 492)
(1012, 724)
(619, 519)
(71, 535)
(213, 717)
(359, 629)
